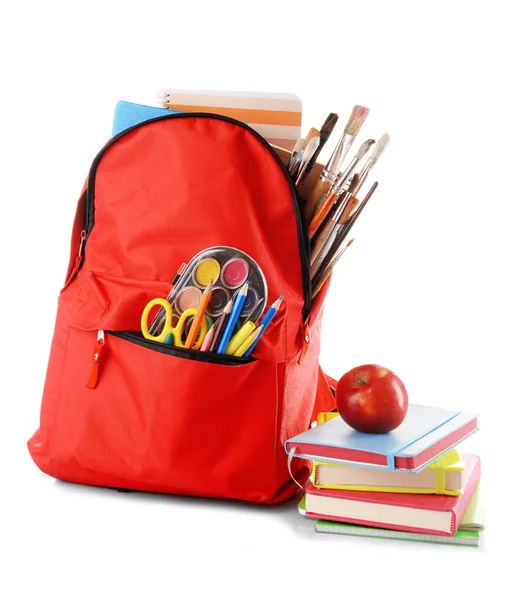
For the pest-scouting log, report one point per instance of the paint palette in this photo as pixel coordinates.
(228, 269)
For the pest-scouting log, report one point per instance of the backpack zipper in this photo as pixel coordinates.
(208, 357)
(302, 230)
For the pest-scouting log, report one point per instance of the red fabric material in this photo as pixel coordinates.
(164, 192)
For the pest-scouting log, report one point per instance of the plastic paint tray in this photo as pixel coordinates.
(228, 268)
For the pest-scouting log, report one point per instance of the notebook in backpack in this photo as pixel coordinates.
(165, 421)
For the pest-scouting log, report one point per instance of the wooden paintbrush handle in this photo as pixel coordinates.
(319, 244)
(350, 207)
(318, 193)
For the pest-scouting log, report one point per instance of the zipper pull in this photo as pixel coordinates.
(306, 339)
(79, 258)
(98, 350)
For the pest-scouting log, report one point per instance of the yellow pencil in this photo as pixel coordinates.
(248, 342)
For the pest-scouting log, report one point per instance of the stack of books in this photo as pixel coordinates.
(411, 483)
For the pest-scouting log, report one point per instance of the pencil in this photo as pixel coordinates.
(200, 315)
(220, 325)
(249, 341)
(208, 339)
(265, 321)
(229, 327)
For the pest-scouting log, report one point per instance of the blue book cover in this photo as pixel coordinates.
(129, 114)
(423, 428)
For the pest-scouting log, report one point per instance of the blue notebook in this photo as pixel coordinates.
(128, 114)
(425, 434)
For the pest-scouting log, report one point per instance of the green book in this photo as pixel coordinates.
(461, 538)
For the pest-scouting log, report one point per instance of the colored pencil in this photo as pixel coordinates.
(200, 315)
(265, 321)
(253, 337)
(208, 339)
(220, 325)
(229, 327)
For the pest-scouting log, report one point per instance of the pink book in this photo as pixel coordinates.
(420, 513)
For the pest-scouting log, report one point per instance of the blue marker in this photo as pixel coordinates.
(229, 327)
(266, 320)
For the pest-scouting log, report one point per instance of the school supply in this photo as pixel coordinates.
(236, 311)
(461, 538)
(170, 334)
(426, 433)
(468, 532)
(421, 513)
(207, 340)
(334, 165)
(199, 316)
(445, 476)
(251, 339)
(263, 325)
(473, 518)
(152, 200)
(228, 268)
(220, 325)
(335, 251)
(275, 116)
(129, 114)
(324, 134)
(243, 334)
(319, 280)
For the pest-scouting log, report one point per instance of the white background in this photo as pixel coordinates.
(427, 289)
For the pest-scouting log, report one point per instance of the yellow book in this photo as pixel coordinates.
(444, 476)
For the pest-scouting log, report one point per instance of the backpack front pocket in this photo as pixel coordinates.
(161, 422)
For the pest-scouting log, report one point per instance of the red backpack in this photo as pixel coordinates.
(129, 414)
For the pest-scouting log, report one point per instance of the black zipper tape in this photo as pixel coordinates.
(206, 357)
(302, 230)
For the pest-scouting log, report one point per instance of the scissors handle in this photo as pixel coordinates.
(168, 320)
(168, 324)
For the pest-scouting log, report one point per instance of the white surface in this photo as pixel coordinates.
(427, 289)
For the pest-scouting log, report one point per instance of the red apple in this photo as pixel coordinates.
(372, 399)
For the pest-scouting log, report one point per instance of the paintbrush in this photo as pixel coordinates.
(330, 267)
(334, 164)
(295, 152)
(342, 234)
(333, 226)
(325, 133)
(377, 151)
(309, 150)
(337, 189)
(296, 166)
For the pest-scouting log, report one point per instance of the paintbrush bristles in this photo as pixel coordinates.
(312, 133)
(299, 144)
(356, 120)
(364, 148)
(379, 148)
(329, 125)
(310, 148)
